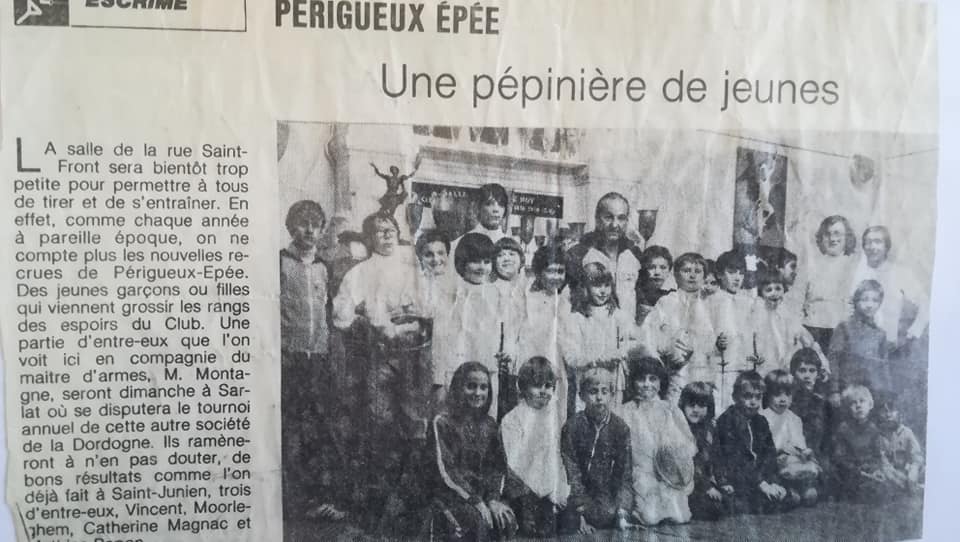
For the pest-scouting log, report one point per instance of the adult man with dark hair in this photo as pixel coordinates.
(608, 244)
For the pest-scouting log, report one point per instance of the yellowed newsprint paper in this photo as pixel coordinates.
(315, 269)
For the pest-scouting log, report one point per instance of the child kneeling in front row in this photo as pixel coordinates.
(596, 454)
(531, 437)
(899, 447)
(799, 469)
(746, 458)
(469, 465)
(856, 449)
(661, 445)
(814, 411)
(866, 469)
(696, 402)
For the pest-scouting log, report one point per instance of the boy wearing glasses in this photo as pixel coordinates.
(377, 310)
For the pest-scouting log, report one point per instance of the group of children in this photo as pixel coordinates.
(649, 460)
(489, 310)
(555, 409)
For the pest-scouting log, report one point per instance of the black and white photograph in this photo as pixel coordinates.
(495, 333)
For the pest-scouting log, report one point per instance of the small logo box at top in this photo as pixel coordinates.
(41, 12)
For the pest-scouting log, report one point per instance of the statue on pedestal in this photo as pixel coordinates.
(396, 192)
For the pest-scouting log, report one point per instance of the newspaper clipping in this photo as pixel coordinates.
(317, 270)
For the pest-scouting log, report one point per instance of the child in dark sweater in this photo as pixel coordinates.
(655, 264)
(595, 446)
(859, 346)
(858, 460)
(814, 411)
(697, 404)
(469, 462)
(746, 458)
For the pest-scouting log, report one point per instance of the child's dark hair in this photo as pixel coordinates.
(868, 285)
(805, 356)
(766, 277)
(689, 257)
(777, 381)
(748, 380)
(699, 394)
(536, 371)
(492, 191)
(652, 253)
(305, 210)
(509, 243)
(597, 274)
(710, 268)
(640, 364)
(885, 400)
(593, 274)
(472, 247)
(731, 260)
(455, 400)
(432, 236)
(545, 256)
(782, 257)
